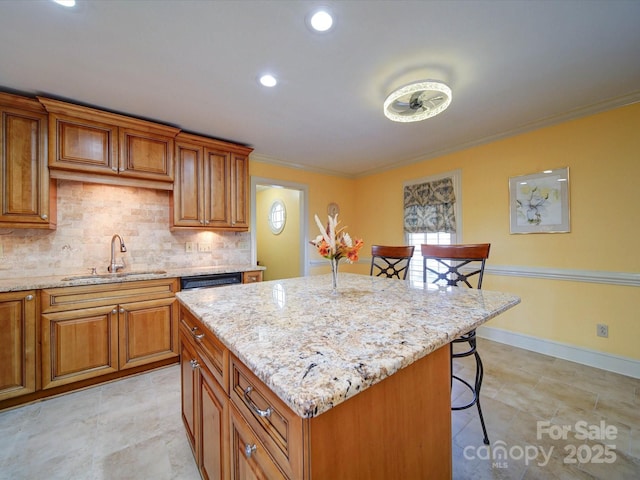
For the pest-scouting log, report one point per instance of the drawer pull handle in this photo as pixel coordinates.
(247, 396)
(198, 336)
(250, 450)
(194, 363)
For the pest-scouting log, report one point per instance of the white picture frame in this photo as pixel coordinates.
(539, 202)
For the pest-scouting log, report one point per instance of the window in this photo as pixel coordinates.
(432, 214)
(277, 217)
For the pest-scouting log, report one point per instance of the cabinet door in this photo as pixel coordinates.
(249, 458)
(216, 176)
(239, 190)
(79, 344)
(24, 178)
(145, 155)
(189, 379)
(188, 196)
(17, 344)
(147, 331)
(213, 458)
(83, 145)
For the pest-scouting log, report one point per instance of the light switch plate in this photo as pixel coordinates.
(188, 247)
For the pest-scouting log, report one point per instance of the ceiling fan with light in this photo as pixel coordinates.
(417, 101)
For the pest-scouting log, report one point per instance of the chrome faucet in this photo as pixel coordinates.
(113, 266)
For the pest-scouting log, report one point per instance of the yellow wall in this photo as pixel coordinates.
(322, 190)
(279, 253)
(602, 152)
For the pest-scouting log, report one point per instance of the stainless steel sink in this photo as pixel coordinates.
(112, 275)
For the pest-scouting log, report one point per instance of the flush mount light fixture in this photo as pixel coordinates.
(417, 101)
(66, 3)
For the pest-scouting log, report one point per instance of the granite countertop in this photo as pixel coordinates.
(315, 350)
(77, 279)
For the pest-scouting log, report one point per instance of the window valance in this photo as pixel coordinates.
(429, 207)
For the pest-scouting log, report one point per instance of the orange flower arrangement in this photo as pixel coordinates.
(335, 243)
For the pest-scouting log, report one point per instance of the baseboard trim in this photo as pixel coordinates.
(591, 358)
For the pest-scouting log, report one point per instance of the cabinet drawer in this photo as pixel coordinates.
(213, 352)
(249, 458)
(252, 277)
(275, 424)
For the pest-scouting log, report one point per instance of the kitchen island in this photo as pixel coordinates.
(324, 386)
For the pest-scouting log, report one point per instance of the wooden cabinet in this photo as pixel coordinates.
(222, 428)
(17, 344)
(79, 344)
(27, 194)
(91, 145)
(204, 399)
(393, 429)
(91, 331)
(252, 277)
(211, 185)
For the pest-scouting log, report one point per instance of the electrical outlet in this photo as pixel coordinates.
(602, 330)
(188, 247)
(204, 247)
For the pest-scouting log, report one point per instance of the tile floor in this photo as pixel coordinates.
(131, 429)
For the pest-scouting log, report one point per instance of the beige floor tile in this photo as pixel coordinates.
(132, 428)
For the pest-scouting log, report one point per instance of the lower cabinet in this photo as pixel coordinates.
(239, 429)
(224, 442)
(204, 410)
(90, 331)
(17, 344)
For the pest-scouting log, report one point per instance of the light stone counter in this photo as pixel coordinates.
(77, 279)
(314, 349)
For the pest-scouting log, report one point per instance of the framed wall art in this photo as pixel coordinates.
(539, 202)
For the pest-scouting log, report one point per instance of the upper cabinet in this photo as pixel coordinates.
(91, 145)
(211, 185)
(27, 194)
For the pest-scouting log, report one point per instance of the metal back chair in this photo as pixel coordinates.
(453, 265)
(392, 262)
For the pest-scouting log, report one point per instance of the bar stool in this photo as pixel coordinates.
(455, 264)
(392, 262)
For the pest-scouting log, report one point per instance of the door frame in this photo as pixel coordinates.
(304, 224)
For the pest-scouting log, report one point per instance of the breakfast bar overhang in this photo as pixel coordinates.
(364, 373)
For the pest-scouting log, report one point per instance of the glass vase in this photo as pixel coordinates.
(334, 275)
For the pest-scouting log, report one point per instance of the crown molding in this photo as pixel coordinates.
(609, 104)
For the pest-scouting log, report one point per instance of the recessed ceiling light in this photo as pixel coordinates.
(268, 80)
(66, 3)
(321, 21)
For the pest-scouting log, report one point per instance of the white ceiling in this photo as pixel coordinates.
(512, 66)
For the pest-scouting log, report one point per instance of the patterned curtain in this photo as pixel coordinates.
(428, 207)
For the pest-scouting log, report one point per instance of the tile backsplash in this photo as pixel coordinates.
(90, 214)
